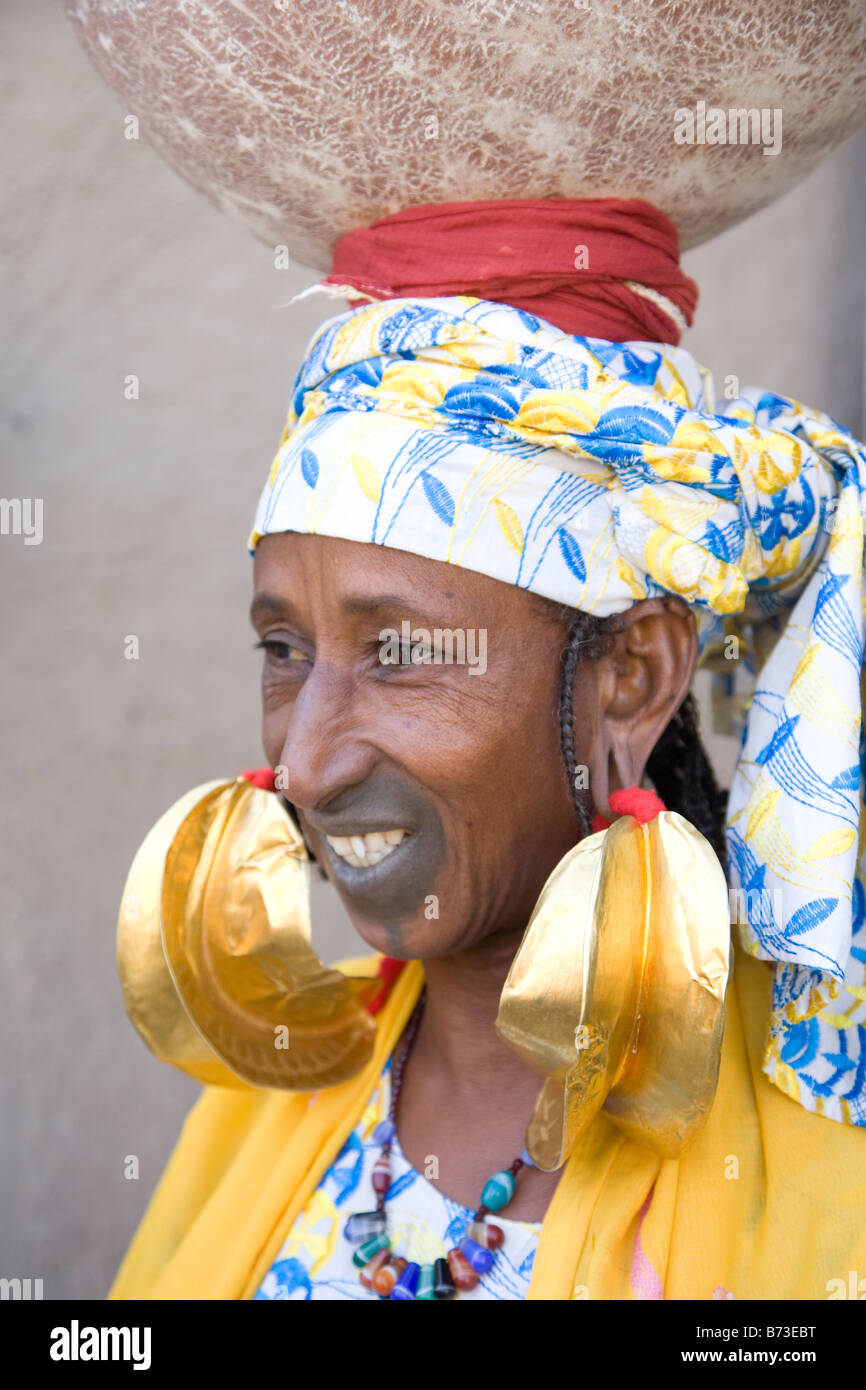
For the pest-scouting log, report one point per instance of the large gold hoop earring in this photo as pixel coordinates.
(214, 953)
(616, 993)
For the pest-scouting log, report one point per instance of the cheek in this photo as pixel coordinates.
(503, 796)
(495, 767)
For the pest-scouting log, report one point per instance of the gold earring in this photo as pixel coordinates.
(616, 993)
(214, 954)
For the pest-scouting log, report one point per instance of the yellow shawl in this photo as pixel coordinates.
(768, 1202)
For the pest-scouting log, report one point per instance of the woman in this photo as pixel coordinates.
(494, 451)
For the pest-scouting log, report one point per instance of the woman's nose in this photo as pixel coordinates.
(324, 751)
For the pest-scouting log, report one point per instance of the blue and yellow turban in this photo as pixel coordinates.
(598, 474)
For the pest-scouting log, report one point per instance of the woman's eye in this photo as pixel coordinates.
(280, 652)
(405, 654)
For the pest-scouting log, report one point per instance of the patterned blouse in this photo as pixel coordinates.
(315, 1261)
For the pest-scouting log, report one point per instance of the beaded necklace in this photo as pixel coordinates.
(390, 1275)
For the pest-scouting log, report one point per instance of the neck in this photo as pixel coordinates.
(466, 1098)
(457, 1037)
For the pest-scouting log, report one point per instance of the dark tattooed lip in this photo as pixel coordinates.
(395, 887)
(406, 870)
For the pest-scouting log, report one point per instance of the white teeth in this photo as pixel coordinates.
(363, 851)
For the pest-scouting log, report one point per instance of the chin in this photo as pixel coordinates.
(413, 938)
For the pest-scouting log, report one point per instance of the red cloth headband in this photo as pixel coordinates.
(564, 259)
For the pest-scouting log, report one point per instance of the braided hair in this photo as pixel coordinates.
(678, 766)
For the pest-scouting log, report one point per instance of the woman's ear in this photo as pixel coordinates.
(637, 687)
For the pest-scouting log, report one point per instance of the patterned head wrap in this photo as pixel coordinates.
(598, 474)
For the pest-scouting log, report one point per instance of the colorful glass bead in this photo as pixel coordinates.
(364, 1254)
(371, 1269)
(443, 1284)
(363, 1225)
(384, 1132)
(407, 1283)
(498, 1190)
(527, 1161)
(488, 1236)
(386, 1277)
(381, 1177)
(480, 1259)
(425, 1283)
(462, 1273)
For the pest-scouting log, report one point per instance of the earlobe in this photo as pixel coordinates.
(640, 685)
(612, 768)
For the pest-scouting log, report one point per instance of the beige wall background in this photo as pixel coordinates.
(115, 267)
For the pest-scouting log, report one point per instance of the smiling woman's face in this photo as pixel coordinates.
(434, 792)
(463, 758)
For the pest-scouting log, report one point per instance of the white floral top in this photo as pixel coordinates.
(315, 1261)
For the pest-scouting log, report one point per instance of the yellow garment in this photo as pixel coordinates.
(769, 1201)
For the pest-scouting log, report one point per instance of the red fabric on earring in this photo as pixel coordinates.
(263, 777)
(562, 259)
(636, 801)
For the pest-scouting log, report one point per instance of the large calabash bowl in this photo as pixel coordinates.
(308, 118)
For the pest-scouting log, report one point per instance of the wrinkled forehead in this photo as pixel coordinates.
(322, 577)
(308, 118)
